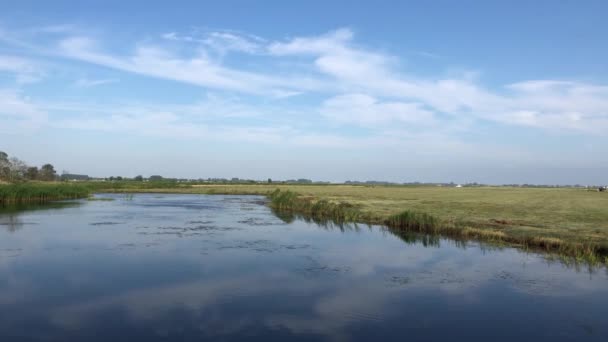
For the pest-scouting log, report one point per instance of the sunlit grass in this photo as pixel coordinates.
(569, 221)
(40, 192)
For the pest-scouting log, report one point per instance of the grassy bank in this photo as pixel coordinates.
(31, 193)
(568, 221)
(588, 242)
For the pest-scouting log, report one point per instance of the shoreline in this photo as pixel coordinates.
(515, 217)
(406, 221)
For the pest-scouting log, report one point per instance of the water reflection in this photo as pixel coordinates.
(10, 215)
(225, 267)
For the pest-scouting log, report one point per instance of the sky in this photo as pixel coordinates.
(433, 91)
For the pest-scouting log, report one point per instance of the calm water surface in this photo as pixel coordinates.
(193, 267)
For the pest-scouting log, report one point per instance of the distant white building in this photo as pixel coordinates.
(459, 185)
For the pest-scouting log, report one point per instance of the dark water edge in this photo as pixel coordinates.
(433, 240)
(212, 267)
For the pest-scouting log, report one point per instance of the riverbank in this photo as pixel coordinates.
(572, 222)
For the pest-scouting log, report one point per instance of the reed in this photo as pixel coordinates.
(316, 209)
(414, 221)
(410, 221)
(40, 193)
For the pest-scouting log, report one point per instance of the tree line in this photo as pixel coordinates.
(14, 170)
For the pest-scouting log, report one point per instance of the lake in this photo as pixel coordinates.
(162, 267)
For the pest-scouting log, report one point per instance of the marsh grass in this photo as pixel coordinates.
(40, 193)
(316, 209)
(567, 222)
(414, 221)
(421, 222)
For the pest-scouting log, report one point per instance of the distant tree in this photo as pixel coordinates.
(269, 181)
(32, 173)
(17, 169)
(4, 166)
(139, 178)
(3, 156)
(118, 178)
(47, 172)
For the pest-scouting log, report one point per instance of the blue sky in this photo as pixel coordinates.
(468, 91)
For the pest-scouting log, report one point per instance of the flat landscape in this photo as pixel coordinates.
(303, 171)
(568, 215)
(570, 221)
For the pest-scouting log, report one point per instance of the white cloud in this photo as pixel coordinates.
(221, 41)
(360, 85)
(25, 70)
(19, 114)
(227, 41)
(198, 70)
(366, 110)
(88, 83)
(15, 64)
(329, 42)
(546, 104)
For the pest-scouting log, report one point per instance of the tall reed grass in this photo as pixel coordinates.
(321, 209)
(40, 192)
(420, 222)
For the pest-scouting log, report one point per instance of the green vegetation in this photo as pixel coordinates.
(568, 221)
(40, 192)
(414, 221)
(316, 209)
(15, 170)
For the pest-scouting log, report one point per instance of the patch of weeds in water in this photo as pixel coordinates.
(398, 280)
(196, 230)
(102, 199)
(317, 269)
(265, 246)
(296, 246)
(254, 221)
(199, 222)
(104, 223)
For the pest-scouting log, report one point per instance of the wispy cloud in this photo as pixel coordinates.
(221, 41)
(354, 84)
(24, 70)
(87, 83)
(366, 110)
(199, 70)
(547, 104)
(334, 65)
(18, 114)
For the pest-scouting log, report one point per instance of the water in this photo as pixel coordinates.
(193, 267)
